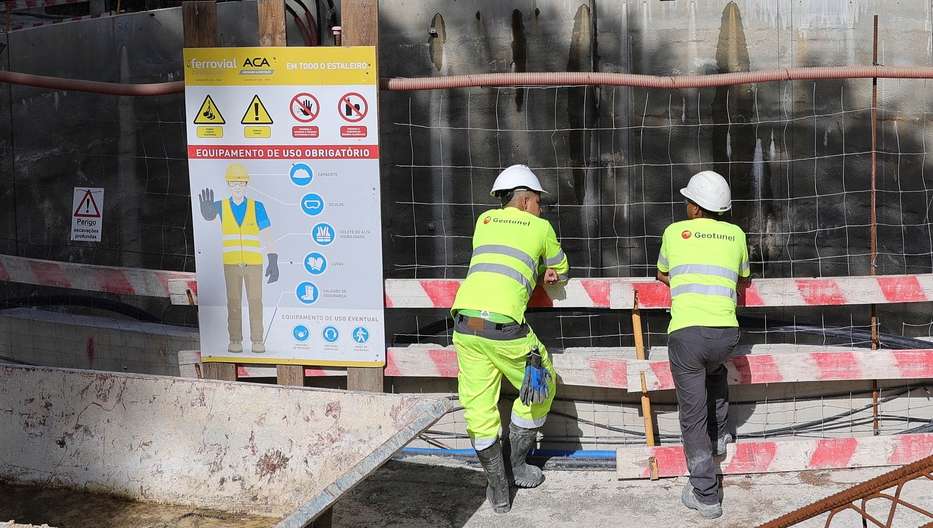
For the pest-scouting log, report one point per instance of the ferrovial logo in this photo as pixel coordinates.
(219, 64)
(685, 234)
(256, 66)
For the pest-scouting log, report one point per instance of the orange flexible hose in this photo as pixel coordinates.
(653, 81)
(520, 79)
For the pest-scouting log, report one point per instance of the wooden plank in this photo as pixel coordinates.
(360, 21)
(611, 293)
(290, 375)
(821, 364)
(368, 379)
(219, 371)
(271, 22)
(200, 29)
(641, 355)
(200, 23)
(770, 456)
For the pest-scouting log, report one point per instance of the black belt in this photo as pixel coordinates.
(488, 329)
(479, 322)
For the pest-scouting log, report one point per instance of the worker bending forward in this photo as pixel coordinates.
(512, 248)
(702, 260)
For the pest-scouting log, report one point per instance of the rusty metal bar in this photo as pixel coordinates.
(864, 492)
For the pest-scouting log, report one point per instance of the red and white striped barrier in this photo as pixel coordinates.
(440, 293)
(601, 367)
(616, 368)
(13, 5)
(822, 364)
(829, 291)
(773, 456)
(614, 293)
(105, 279)
(618, 293)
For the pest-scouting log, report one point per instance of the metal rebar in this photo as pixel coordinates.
(844, 499)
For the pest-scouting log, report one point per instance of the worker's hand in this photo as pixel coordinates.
(551, 276)
(272, 270)
(208, 211)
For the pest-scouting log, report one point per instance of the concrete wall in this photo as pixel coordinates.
(56, 339)
(227, 446)
(583, 418)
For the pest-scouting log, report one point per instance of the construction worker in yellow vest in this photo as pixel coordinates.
(512, 250)
(703, 260)
(244, 224)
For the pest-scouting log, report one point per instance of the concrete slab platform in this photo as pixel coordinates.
(439, 493)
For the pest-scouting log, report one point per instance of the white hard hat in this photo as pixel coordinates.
(514, 177)
(709, 190)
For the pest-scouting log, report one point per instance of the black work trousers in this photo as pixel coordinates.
(697, 355)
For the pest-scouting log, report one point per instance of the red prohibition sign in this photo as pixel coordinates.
(304, 107)
(353, 107)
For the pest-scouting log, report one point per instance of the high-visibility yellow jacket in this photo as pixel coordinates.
(241, 241)
(704, 259)
(511, 248)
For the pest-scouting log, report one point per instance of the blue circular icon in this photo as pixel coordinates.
(360, 334)
(330, 334)
(323, 234)
(301, 333)
(312, 204)
(315, 263)
(307, 292)
(301, 174)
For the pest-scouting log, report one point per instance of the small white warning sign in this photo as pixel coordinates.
(87, 214)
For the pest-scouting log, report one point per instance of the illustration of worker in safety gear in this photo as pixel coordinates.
(513, 249)
(244, 224)
(704, 260)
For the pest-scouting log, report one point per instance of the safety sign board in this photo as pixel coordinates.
(287, 226)
(87, 216)
(256, 113)
(208, 113)
(353, 107)
(304, 107)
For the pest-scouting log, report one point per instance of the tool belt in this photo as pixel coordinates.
(478, 326)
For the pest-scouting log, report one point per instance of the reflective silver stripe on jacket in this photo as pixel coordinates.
(508, 251)
(502, 269)
(745, 268)
(525, 423)
(662, 260)
(704, 289)
(705, 269)
(556, 259)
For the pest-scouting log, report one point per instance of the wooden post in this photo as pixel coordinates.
(200, 28)
(271, 22)
(645, 399)
(360, 27)
(641, 356)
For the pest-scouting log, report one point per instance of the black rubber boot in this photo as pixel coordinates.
(497, 487)
(521, 441)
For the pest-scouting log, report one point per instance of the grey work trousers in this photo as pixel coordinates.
(697, 356)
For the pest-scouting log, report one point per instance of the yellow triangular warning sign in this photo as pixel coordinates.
(256, 113)
(209, 114)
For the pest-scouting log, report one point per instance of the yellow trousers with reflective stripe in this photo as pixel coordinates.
(482, 364)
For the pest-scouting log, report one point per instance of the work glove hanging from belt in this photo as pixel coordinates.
(536, 382)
